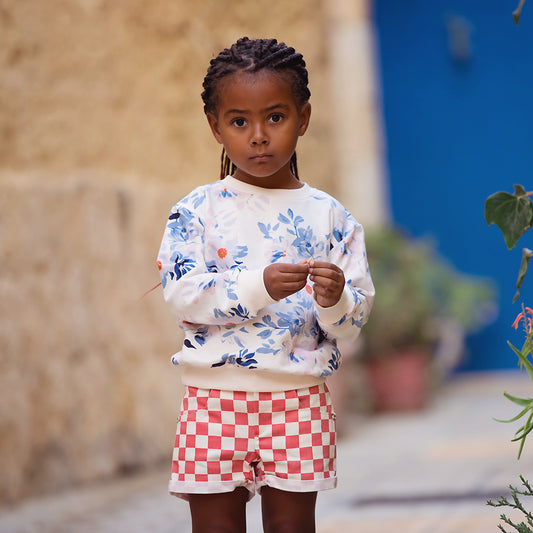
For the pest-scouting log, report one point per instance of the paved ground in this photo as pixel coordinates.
(424, 472)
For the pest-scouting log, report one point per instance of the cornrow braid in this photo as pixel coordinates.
(249, 55)
(226, 165)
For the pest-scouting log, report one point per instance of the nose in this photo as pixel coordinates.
(258, 135)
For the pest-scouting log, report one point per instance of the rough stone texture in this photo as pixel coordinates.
(87, 387)
(116, 84)
(101, 131)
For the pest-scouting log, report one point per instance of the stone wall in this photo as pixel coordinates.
(101, 131)
(116, 84)
(87, 387)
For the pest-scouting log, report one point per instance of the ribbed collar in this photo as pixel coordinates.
(235, 184)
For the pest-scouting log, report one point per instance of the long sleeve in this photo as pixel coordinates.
(194, 289)
(345, 319)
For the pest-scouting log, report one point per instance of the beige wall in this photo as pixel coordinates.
(101, 131)
(116, 85)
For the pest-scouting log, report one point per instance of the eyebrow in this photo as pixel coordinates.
(266, 110)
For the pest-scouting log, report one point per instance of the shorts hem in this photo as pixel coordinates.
(182, 489)
(297, 485)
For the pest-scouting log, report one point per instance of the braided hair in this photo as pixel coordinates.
(251, 56)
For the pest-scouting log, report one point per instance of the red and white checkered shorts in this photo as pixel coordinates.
(229, 439)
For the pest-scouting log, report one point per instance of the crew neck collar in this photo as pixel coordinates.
(241, 186)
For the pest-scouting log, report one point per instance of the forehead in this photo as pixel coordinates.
(250, 90)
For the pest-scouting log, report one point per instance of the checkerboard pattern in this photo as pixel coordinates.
(227, 439)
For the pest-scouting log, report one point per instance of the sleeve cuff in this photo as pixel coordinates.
(253, 290)
(332, 315)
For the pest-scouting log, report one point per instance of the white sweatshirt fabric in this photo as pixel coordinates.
(216, 244)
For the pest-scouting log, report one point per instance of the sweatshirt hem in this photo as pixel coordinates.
(237, 379)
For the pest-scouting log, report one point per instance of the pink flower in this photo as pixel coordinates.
(528, 320)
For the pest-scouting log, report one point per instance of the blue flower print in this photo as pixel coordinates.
(239, 311)
(180, 224)
(293, 322)
(267, 229)
(333, 363)
(199, 338)
(197, 197)
(243, 359)
(211, 266)
(304, 239)
(290, 233)
(224, 193)
(234, 336)
(182, 265)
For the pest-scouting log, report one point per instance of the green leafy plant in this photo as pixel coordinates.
(513, 214)
(417, 289)
(526, 404)
(516, 504)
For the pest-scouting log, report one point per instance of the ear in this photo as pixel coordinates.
(305, 115)
(213, 124)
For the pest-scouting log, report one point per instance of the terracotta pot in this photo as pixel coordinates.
(399, 382)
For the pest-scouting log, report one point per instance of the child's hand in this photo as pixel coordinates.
(283, 279)
(328, 282)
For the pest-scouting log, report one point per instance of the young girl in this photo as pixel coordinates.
(264, 273)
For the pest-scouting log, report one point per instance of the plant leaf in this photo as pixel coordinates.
(527, 254)
(519, 401)
(523, 360)
(518, 12)
(512, 213)
(515, 418)
(528, 429)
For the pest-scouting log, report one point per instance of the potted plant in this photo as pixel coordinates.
(422, 305)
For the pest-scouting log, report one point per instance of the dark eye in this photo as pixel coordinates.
(276, 117)
(239, 122)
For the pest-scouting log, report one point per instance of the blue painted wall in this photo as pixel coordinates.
(457, 80)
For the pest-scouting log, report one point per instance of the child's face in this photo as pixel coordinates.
(258, 121)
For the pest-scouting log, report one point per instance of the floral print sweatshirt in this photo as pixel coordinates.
(215, 246)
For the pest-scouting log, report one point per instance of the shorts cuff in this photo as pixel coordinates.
(298, 485)
(182, 489)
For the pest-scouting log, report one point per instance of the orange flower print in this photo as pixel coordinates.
(159, 265)
(222, 252)
(309, 289)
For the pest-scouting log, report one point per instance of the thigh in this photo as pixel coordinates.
(288, 512)
(219, 513)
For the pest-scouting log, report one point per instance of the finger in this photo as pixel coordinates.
(327, 277)
(294, 287)
(323, 264)
(324, 297)
(293, 277)
(326, 273)
(289, 289)
(324, 291)
(293, 267)
(323, 269)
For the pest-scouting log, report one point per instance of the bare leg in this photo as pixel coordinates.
(219, 513)
(288, 512)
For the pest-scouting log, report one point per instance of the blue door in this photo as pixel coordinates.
(457, 80)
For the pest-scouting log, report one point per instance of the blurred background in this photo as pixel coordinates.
(420, 111)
